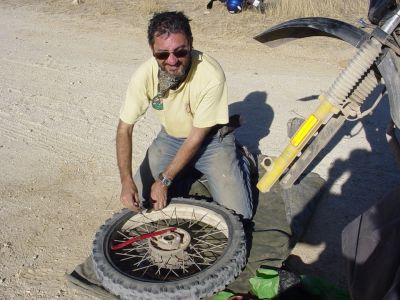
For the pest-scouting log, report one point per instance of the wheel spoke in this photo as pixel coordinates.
(203, 263)
(205, 259)
(143, 258)
(145, 270)
(176, 217)
(124, 235)
(136, 248)
(175, 273)
(192, 218)
(166, 276)
(198, 221)
(209, 234)
(128, 256)
(133, 226)
(165, 219)
(184, 270)
(192, 260)
(147, 225)
(159, 223)
(183, 224)
(199, 255)
(211, 228)
(210, 244)
(145, 267)
(164, 265)
(208, 250)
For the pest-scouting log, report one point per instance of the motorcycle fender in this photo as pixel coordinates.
(307, 27)
(389, 67)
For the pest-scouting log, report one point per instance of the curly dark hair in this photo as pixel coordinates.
(167, 23)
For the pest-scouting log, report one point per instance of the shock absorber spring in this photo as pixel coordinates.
(362, 90)
(347, 81)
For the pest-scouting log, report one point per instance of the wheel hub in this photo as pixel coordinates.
(168, 250)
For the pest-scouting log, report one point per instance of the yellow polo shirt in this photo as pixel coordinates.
(200, 101)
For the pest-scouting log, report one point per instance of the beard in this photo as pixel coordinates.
(175, 71)
(168, 80)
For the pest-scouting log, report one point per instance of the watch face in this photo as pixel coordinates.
(164, 180)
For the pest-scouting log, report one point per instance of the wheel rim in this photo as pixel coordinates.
(199, 240)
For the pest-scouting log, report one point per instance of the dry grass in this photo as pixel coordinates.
(287, 9)
(276, 10)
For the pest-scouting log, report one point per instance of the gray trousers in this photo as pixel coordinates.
(227, 172)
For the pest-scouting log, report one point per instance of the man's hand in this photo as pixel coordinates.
(158, 195)
(130, 196)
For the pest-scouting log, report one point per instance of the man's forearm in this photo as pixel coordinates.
(124, 150)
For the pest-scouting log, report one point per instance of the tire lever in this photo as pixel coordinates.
(141, 237)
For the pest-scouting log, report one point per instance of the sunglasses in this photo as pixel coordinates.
(177, 53)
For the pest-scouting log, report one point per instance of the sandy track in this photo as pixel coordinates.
(62, 81)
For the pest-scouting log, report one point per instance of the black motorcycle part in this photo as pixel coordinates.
(389, 67)
(307, 27)
(378, 9)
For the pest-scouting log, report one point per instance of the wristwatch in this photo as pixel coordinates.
(164, 180)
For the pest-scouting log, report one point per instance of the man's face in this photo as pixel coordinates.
(178, 48)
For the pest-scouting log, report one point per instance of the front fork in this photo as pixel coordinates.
(341, 101)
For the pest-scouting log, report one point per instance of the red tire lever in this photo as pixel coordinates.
(141, 237)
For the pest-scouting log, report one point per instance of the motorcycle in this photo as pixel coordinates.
(192, 249)
(377, 58)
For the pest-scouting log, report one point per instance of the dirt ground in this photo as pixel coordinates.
(64, 72)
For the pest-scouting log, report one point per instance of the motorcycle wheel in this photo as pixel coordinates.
(205, 252)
